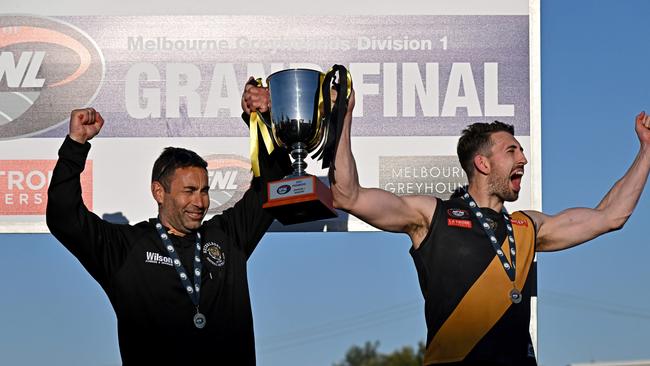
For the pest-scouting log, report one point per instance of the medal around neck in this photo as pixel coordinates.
(514, 295)
(199, 320)
(194, 291)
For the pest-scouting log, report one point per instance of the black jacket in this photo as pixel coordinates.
(154, 313)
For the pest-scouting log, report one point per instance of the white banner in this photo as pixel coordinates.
(177, 80)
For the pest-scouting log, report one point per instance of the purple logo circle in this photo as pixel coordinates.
(283, 189)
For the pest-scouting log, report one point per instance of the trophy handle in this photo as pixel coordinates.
(333, 116)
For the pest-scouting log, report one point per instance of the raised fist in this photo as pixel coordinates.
(85, 124)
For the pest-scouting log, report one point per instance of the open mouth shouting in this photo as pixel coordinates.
(515, 178)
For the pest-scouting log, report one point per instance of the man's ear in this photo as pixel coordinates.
(158, 192)
(482, 164)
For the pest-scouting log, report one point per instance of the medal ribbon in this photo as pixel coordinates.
(256, 123)
(192, 291)
(510, 269)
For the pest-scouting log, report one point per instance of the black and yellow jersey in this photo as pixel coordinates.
(470, 317)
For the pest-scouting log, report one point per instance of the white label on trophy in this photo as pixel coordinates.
(289, 188)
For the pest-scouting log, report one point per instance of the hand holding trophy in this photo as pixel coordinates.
(303, 119)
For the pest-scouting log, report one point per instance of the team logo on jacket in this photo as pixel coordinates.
(44, 62)
(214, 254)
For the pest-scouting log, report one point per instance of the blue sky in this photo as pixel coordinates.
(594, 298)
(315, 295)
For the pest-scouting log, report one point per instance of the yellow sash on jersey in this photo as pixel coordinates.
(485, 302)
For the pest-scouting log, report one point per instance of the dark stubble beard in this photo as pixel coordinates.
(501, 188)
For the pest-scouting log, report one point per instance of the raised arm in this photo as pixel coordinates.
(66, 212)
(578, 225)
(379, 208)
(98, 245)
(246, 220)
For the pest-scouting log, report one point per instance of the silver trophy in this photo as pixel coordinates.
(301, 122)
(295, 117)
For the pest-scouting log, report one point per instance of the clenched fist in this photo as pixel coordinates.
(643, 127)
(85, 124)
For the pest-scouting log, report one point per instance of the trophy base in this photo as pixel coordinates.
(297, 200)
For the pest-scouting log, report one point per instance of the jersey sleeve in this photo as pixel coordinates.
(97, 244)
(247, 221)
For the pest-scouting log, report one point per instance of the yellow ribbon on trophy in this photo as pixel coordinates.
(256, 123)
(349, 76)
(321, 107)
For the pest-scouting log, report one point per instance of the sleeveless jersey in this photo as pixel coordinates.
(470, 318)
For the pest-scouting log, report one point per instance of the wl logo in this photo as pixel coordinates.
(21, 75)
(47, 68)
(229, 177)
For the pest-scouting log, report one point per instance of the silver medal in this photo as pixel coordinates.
(199, 320)
(515, 296)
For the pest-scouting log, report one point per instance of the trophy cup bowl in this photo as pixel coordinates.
(297, 125)
(295, 119)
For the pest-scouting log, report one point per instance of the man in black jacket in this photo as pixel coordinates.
(178, 285)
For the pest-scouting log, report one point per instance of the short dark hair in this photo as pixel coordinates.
(171, 159)
(475, 139)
